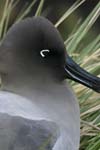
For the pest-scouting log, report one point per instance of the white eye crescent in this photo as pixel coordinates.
(42, 53)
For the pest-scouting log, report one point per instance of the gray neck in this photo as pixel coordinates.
(27, 85)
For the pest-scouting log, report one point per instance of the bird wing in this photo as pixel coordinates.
(21, 133)
(23, 126)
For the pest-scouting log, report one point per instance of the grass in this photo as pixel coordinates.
(88, 57)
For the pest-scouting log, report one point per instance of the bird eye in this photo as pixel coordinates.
(44, 52)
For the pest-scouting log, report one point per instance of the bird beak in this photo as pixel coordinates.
(76, 73)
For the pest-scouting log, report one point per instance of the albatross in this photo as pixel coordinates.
(38, 108)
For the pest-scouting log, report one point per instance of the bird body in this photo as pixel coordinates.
(42, 106)
(38, 109)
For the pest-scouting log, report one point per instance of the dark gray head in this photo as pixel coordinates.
(32, 45)
(35, 46)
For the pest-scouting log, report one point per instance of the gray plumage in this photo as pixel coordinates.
(36, 103)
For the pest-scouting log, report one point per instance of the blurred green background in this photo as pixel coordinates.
(53, 10)
(79, 24)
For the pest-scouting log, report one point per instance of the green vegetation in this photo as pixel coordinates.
(88, 56)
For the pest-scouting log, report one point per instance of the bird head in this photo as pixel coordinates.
(36, 47)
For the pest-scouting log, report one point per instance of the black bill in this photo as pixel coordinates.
(76, 73)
